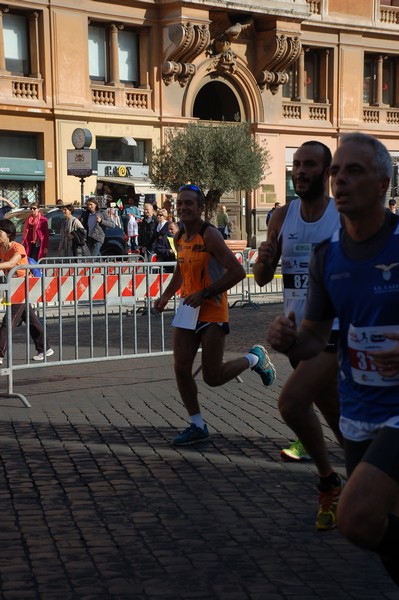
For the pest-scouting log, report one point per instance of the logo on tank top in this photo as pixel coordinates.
(386, 270)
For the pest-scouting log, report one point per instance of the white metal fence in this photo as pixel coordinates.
(96, 310)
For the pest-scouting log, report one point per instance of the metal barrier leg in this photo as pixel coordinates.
(15, 395)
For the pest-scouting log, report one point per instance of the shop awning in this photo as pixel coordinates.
(140, 186)
(22, 169)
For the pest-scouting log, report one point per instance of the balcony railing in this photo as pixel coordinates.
(121, 97)
(21, 88)
(381, 115)
(314, 6)
(306, 111)
(389, 15)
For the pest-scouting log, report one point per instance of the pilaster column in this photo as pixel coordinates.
(144, 82)
(34, 45)
(378, 91)
(2, 52)
(114, 58)
(301, 95)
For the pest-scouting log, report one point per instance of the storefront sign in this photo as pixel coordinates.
(126, 170)
(22, 169)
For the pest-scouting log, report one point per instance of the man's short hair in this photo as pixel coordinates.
(8, 227)
(327, 156)
(194, 188)
(392, 202)
(382, 160)
(70, 207)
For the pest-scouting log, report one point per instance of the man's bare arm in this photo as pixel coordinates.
(306, 343)
(269, 252)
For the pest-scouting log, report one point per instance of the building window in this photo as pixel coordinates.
(18, 145)
(312, 78)
(113, 54)
(16, 44)
(308, 77)
(98, 56)
(380, 80)
(128, 57)
(114, 149)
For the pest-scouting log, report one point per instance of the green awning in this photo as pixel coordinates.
(22, 169)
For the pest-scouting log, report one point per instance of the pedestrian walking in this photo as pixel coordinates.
(292, 233)
(206, 268)
(35, 234)
(13, 254)
(355, 276)
(72, 235)
(95, 222)
(223, 221)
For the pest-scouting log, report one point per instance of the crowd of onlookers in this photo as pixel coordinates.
(148, 232)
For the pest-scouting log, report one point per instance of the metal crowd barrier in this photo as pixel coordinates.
(92, 311)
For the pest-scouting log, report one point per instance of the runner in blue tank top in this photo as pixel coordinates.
(355, 276)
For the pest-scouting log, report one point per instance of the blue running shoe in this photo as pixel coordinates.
(264, 366)
(191, 435)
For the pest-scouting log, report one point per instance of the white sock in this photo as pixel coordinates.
(252, 359)
(198, 420)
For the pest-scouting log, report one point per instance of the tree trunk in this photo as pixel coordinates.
(212, 200)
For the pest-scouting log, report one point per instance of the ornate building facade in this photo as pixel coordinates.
(129, 71)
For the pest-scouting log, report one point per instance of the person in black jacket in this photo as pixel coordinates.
(146, 231)
(159, 239)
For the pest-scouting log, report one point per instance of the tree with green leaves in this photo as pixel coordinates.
(218, 158)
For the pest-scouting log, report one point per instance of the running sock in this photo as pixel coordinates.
(326, 483)
(252, 359)
(198, 420)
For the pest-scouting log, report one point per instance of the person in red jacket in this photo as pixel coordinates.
(35, 236)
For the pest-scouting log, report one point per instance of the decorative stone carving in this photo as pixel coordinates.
(281, 52)
(190, 41)
(224, 57)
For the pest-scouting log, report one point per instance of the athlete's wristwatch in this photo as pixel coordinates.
(206, 294)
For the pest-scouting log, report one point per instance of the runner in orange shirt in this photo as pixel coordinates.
(206, 269)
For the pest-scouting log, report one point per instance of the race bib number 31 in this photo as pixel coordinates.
(362, 341)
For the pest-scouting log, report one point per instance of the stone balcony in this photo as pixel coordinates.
(120, 97)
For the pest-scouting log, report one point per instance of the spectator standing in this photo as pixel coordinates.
(292, 233)
(11, 255)
(168, 206)
(159, 242)
(113, 212)
(355, 277)
(392, 206)
(169, 253)
(223, 221)
(270, 213)
(132, 232)
(6, 207)
(95, 221)
(35, 234)
(146, 231)
(73, 235)
(130, 209)
(205, 270)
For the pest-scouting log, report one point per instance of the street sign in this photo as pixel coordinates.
(82, 163)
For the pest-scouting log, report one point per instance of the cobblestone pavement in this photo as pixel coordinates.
(97, 504)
